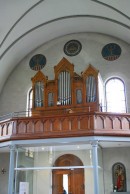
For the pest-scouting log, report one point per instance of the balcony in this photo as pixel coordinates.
(18, 127)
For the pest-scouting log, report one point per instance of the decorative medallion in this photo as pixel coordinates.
(37, 62)
(111, 51)
(72, 48)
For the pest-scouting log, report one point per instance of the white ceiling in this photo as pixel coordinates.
(25, 25)
(68, 146)
(76, 143)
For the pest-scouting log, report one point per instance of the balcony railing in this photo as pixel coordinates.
(17, 127)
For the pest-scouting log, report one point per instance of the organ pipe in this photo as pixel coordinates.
(64, 88)
(91, 89)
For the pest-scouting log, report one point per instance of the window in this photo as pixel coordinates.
(29, 101)
(115, 95)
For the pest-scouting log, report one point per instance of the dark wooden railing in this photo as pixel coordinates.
(66, 125)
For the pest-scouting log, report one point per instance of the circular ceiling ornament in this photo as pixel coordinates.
(72, 48)
(111, 51)
(37, 62)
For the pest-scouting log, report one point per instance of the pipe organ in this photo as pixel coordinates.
(68, 91)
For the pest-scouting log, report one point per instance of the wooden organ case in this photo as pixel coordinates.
(68, 92)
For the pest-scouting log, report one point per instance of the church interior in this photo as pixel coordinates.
(64, 97)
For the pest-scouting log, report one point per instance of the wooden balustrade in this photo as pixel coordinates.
(6, 129)
(67, 125)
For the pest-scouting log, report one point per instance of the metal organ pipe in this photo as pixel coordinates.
(91, 89)
(67, 92)
(62, 92)
(69, 86)
(64, 88)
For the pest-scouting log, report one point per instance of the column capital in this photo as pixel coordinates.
(12, 147)
(94, 143)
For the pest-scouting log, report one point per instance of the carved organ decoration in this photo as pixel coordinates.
(68, 91)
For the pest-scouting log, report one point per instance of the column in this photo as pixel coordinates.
(11, 170)
(95, 166)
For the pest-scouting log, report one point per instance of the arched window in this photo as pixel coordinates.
(29, 101)
(115, 95)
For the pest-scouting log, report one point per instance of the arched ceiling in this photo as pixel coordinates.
(25, 25)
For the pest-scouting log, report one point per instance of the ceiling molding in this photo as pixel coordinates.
(58, 19)
(19, 19)
(113, 8)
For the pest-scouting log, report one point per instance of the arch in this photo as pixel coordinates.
(68, 160)
(75, 176)
(29, 101)
(119, 177)
(115, 95)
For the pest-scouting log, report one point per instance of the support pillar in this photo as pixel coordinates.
(95, 167)
(11, 170)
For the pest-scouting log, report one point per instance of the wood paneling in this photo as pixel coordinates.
(66, 125)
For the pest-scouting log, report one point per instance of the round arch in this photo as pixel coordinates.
(68, 160)
(75, 176)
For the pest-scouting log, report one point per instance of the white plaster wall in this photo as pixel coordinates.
(13, 96)
(111, 156)
(100, 171)
(42, 182)
(24, 162)
(4, 163)
(42, 179)
(45, 176)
